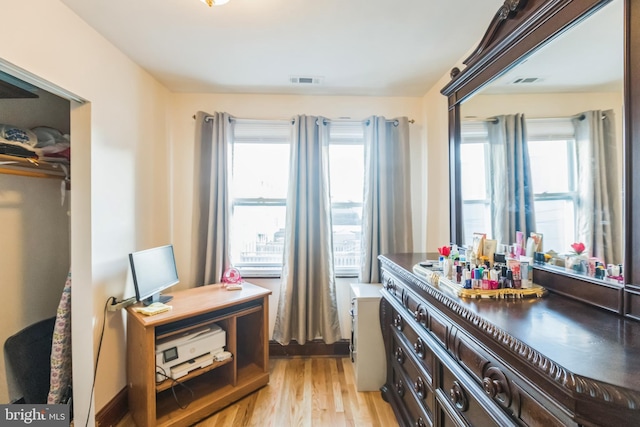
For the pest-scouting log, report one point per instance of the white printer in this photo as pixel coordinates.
(178, 355)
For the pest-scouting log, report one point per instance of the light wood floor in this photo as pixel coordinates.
(315, 391)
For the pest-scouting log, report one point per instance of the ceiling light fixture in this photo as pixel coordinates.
(215, 2)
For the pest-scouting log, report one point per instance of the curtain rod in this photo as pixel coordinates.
(209, 118)
(580, 116)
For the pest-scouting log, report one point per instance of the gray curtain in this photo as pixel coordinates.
(307, 308)
(511, 190)
(599, 210)
(386, 221)
(211, 198)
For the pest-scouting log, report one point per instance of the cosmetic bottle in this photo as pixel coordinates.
(458, 274)
(508, 283)
(493, 278)
(476, 281)
(525, 283)
(485, 280)
(467, 278)
(502, 280)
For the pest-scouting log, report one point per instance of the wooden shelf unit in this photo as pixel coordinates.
(242, 314)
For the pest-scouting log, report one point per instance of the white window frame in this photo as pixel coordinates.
(267, 132)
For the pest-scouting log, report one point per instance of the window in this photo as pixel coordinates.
(260, 175)
(551, 145)
(346, 175)
(474, 161)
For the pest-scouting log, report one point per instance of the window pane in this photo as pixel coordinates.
(257, 235)
(549, 166)
(260, 170)
(347, 230)
(473, 171)
(346, 172)
(477, 219)
(555, 220)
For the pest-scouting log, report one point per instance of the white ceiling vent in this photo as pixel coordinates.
(306, 80)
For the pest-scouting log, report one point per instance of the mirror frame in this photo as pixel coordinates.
(518, 29)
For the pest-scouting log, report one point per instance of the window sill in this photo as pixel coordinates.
(273, 273)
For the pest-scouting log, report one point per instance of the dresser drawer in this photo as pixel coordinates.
(415, 345)
(392, 285)
(415, 414)
(505, 387)
(417, 377)
(461, 397)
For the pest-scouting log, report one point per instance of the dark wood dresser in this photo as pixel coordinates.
(550, 361)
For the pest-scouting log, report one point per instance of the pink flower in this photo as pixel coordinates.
(578, 247)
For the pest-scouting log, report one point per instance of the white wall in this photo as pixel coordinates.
(119, 166)
(437, 156)
(549, 105)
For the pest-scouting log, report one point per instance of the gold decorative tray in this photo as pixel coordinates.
(435, 278)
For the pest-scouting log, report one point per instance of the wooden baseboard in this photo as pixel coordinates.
(114, 410)
(310, 348)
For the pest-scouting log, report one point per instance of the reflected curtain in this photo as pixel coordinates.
(599, 210)
(386, 221)
(211, 199)
(511, 190)
(307, 307)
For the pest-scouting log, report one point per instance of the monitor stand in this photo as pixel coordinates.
(157, 298)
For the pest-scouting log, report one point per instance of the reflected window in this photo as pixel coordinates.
(551, 145)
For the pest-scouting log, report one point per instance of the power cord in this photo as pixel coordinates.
(95, 369)
(173, 383)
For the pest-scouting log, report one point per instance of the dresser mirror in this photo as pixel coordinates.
(550, 63)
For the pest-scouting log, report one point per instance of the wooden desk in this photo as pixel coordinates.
(242, 314)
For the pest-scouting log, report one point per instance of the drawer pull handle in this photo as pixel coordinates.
(420, 422)
(491, 387)
(400, 355)
(398, 323)
(496, 385)
(400, 388)
(420, 315)
(418, 346)
(390, 285)
(420, 388)
(459, 397)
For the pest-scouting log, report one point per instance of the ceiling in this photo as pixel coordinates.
(588, 57)
(354, 47)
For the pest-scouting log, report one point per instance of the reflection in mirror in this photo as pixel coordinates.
(542, 146)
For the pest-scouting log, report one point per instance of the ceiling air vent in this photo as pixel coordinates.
(306, 80)
(523, 80)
